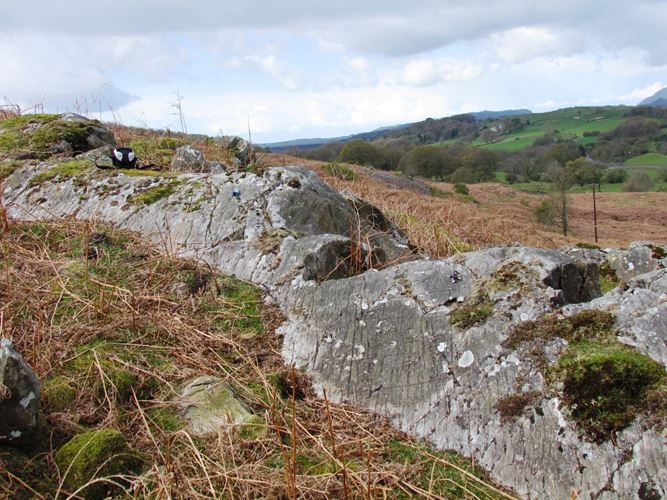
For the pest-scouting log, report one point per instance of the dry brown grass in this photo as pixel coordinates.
(445, 223)
(86, 302)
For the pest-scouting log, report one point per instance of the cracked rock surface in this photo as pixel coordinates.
(376, 326)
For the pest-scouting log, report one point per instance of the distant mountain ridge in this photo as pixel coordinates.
(378, 132)
(657, 100)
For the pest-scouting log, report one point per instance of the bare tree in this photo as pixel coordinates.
(561, 182)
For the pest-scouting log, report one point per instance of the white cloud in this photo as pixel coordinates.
(527, 42)
(305, 68)
(639, 94)
(425, 72)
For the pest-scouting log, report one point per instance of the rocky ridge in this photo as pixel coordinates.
(423, 341)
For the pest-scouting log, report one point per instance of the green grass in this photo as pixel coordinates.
(572, 122)
(647, 159)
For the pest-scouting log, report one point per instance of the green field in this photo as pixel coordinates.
(647, 160)
(544, 186)
(570, 122)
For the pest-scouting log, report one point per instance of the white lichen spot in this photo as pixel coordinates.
(375, 361)
(26, 400)
(364, 306)
(631, 266)
(392, 344)
(359, 352)
(524, 317)
(466, 359)
(347, 368)
(362, 322)
(442, 347)
(338, 343)
(15, 434)
(460, 299)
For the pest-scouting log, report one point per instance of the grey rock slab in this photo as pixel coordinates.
(210, 406)
(384, 340)
(199, 217)
(19, 396)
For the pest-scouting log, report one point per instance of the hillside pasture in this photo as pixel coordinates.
(570, 122)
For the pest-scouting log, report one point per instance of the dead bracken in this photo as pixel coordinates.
(513, 406)
(587, 324)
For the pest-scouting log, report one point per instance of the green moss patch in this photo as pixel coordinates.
(444, 474)
(239, 310)
(471, 313)
(95, 455)
(166, 419)
(36, 135)
(15, 137)
(608, 278)
(511, 275)
(58, 393)
(7, 168)
(587, 324)
(605, 385)
(153, 194)
(69, 170)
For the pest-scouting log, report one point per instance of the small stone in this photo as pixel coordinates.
(209, 405)
(19, 396)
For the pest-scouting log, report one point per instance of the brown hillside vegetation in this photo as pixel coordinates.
(114, 328)
(443, 222)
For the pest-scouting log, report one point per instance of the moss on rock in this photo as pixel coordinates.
(94, 455)
(58, 393)
(472, 313)
(76, 169)
(587, 324)
(605, 385)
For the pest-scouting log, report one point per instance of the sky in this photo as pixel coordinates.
(297, 68)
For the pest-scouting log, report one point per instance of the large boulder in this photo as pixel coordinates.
(264, 235)
(188, 159)
(19, 396)
(241, 150)
(445, 348)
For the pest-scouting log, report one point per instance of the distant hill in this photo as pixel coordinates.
(318, 141)
(483, 115)
(395, 130)
(657, 100)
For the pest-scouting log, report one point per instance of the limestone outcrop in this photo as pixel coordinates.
(474, 353)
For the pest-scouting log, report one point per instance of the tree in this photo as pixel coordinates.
(482, 162)
(638, 181)
(561, 182)
(426, 161)
(562, 152)
(463, 175)
(487, 135)
(361, 153)
(615, 175)
(583, 172)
